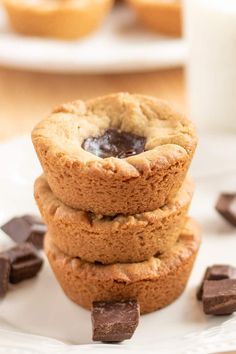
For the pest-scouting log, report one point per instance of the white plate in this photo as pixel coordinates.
(118, 46)
(36, 316)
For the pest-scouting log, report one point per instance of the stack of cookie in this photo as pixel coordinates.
(115, 198)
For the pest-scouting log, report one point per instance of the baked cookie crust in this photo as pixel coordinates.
(161, 16)
(110, 186)
(65, 19)
(95, 238)
(154, 283)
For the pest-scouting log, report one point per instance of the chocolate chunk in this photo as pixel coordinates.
(25, 270)
(38, 232)
(114, 321)
(21, 252)
(115, 143)
(28, 228)
(219, 297)
(17, 229)
(4, 274)
(216, 272)
(200, 289)
(221, 271)
(24, 262)
(226, 206)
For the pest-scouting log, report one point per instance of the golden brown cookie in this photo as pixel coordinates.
(161, 16)
(154, 283)
(65, 19)
(112, 185)
(95, 238)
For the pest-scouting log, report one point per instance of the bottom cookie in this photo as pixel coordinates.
(154, 283)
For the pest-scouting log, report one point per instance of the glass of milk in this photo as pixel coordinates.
(210, 30)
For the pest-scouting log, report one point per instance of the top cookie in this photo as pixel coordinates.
(119, 153)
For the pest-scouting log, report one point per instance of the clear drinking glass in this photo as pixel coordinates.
(210, 30)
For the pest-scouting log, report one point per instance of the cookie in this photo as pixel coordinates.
(71, 141)
(95, 238)
(154, 283)
(164, 17)
(65, 19)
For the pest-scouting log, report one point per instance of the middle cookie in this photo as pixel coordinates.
(106, 239)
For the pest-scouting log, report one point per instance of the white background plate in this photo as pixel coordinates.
(36, 317)
(118, 46)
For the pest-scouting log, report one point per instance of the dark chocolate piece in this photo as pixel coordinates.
(17, 229)
(4, 274)
(200, 288)
(25, 270)
(219, 297)
(115, 143)
(38, 232)
(216, 272)
(28, 228)
(21, 252)
(114, 321)
(221, 271)
(24, 261)
(226, 206)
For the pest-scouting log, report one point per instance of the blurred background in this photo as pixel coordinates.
(53, 51)
(40, 70)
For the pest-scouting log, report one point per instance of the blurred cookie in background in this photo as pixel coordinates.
(64, 19)
(160, 16)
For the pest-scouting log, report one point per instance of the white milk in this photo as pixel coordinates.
(210, 28)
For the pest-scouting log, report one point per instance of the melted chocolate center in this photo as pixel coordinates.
(114, 143)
